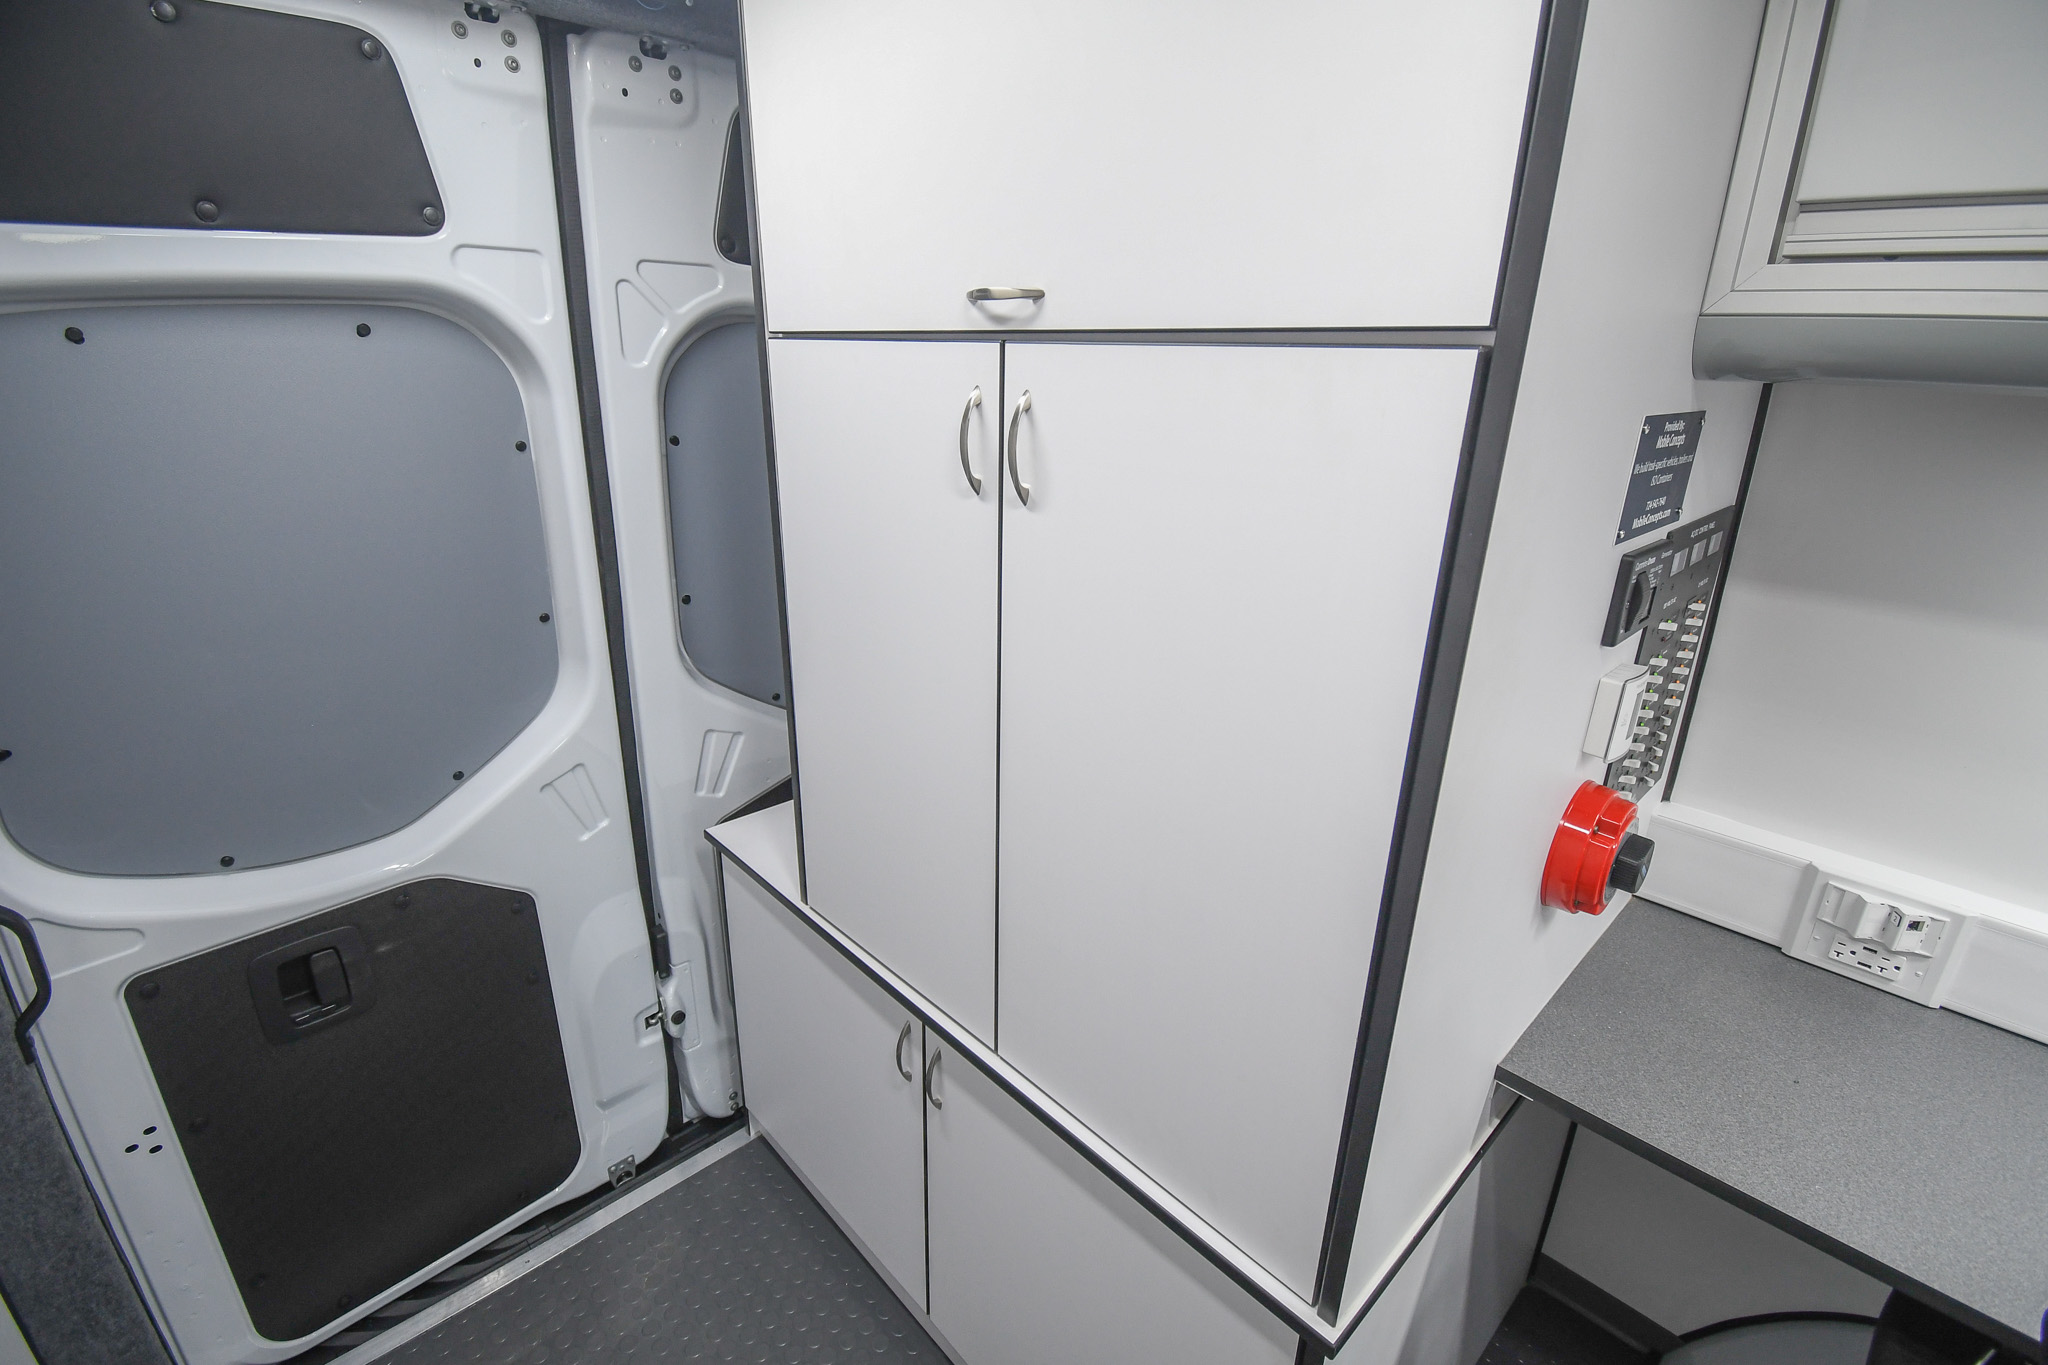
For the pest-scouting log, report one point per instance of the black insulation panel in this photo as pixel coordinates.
(217, 116)
(336, 1163)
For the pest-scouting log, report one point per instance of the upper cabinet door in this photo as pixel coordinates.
(1215, 605)
(1331, 163)
(889, 558)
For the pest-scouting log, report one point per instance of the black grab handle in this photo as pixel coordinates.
(32, 1011)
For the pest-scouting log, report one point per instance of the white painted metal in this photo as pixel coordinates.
(1644, 157)
(1214, 612)
(820, 1050)
(494, 267)
(1036, 1257)
(649, 171)
(889, 567)
(1189, 165)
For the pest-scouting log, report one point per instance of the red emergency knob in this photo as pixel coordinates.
(1594, 854)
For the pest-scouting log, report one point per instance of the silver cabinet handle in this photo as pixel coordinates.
(991, 293)
(901, 1039)
(931, 1073)
(1023, 488)
(967, 415)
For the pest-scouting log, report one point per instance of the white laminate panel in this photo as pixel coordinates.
(1197, 164)
(889, 569)
(1214, 611)
(819, 1048)
(1036, 1257)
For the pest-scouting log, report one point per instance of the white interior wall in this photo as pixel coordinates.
(1644, 173)
(1882, 627)
(1682, 1257)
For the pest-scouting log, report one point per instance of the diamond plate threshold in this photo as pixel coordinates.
(725, 1257)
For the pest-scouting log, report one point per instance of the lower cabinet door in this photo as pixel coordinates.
(831, 1067)
(1037, 1257)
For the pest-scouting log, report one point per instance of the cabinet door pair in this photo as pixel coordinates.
(1033, 1255)
(1104, 757)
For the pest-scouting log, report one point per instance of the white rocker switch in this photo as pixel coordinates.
(1616, 701)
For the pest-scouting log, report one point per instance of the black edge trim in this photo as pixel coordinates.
(554, 38)
(1322, 1343)
(1699, 665)
(1550, 95)
(2005, 1335)
(1589, 1300)
(759, 267)
(775, 795)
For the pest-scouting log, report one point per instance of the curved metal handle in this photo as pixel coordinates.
(1023, 488)
(901, 1039)
(931, 1073)
(39, 1002)
(967, 415)
(992, 293)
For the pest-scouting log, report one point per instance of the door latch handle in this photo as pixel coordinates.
(39, 972)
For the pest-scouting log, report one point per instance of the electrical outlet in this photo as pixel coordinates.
(1878, 937)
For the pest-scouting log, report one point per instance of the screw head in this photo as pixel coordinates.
(519, 445)
(227, 860)
(544, 618)
(459, 29)
(370, 48)
(206, 211)
(75, 337)
(458, 774)
(633, 62)
(509, 38)
(675, 73)
(511, 63)
(163, 11)
(431, 214)
(675, 97)
(148, 990)
(676, 1018)
(362, 329)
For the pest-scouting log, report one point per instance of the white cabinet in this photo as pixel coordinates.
(832, 1070)
(1888, 213)
(1333, 163)
(889, 562)
(1215, 606)
(1037, 1257)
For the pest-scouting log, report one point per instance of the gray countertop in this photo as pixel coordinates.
(1911, 1142)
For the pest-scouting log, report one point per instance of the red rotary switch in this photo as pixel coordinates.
(1593, 853)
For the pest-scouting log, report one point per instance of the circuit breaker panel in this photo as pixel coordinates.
(1667, 590)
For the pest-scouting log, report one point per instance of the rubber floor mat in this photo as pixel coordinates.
(736, 1264)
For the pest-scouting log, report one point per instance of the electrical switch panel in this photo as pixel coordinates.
(1878, 937)
(1668, 590)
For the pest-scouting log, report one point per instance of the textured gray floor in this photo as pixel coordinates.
(736, 1264)
(1915, 1137)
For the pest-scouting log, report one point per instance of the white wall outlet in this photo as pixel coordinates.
(1611, 728)
(1878, 937)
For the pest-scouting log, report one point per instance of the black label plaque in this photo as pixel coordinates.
(1656, 485)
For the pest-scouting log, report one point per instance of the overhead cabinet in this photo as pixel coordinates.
(1888, 217)
(1328, 164)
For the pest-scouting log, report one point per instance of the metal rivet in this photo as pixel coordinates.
(686, 599)
(163, 11)
(370, 48)
(74, 336)
(362, 329)
(511, 63)
(775, 696)
(675, 97)
(227, 860)
(633, 62)
(459, 29)
(519, 445)
(675, 440)
(206, 211)
(458, 774)
(543, 618)
(675, 73)
(509, 38)
(431, 214)
(147, 990)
